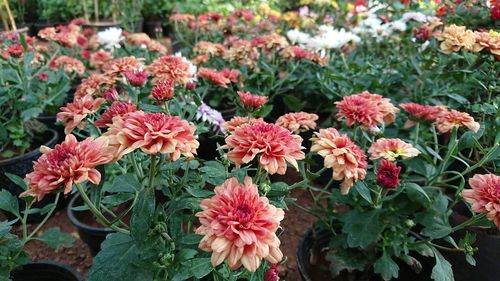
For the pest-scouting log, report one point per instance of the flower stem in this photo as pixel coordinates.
(45, 218)
(152, 170)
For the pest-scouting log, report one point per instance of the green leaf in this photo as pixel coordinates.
(362, 229)
(363, 190)
(142, 215)
(56, 239)
(386, 267)
(17, 180)
(9, 203)
(30, 113)
(278, 189)
(292, 102)
(186, 254)
(199, 267)
(117, 261)
(413, 188)
(213, 172)
(442, 270)
(190, 239)
(123, 183)
(199, 192)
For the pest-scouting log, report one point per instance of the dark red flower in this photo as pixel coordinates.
(78, 21)
(81, 40)
(86, 54)
(136, 78)
(495, 12)
(88, 32)
(163, 90)
(42, 76)
(388, 174)
(15, 50)
(191, 85)
(111, 95)
(272, 273)
(422, 33)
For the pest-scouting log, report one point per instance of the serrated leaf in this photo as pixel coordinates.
(17, 180)
(413, 187)
(142, 215)
(190, 239)
(9, 203)
(30, 113)
(442, 270)
(363, 190)
(213, 172)
(199, 267)
(362, 229)
(123, 183)
(386, 267)
(56, 239)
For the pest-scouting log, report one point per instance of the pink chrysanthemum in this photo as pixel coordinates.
(274, 144)
(121, 65)
(421, 112)
(92, 85)
(239, 226)
(366, 109)
(214, 76)
(251, 101)
(298, 122)
(448, 120)
(70, 162)
(391, 149)
(99, 58)
(136, 78)
(163, 90)
(231, 74)
(485, 196)
(74, 114)
(170, 68)
(68, 64)
(117, 108)
(236, 121)
(347, 160)
(153, 133)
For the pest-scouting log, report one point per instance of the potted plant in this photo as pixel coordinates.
(99, 9)
(56, 12)
(16, 264)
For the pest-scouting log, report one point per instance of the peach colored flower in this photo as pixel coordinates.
(47, 33)
(347, 160)
(448, 120)
(270, 42)
(214, 76)
(484, 196)
(99, 58)
(69, 64)
(138, 39)
(240, 226)
(181, 17)
(209, 48)
(231, 74)
(391, 149)
(488, 41)
(117, 108)
(121, 65)
(243, 53)
(156, 46)
(421, 112)
(298, 122)
(274, 144)
(455, 38)
(92, 85)
(70, 162)
(163, 90)
(251, 101)
(366, 109)
(74, 114)
(170, 68)
(236, 121)
(153, 133)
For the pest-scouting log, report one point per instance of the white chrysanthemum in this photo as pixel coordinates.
(416, 16)
(110, 37)
(297, 37)
(331, 39)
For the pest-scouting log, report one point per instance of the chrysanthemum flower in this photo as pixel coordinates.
(68, 64)
(298, 122)
(153, 133)
(157, 47)
(391, 149)
(236, 121)
(117, 108)
(243, 53)
(122, 65)
(366, 109)
(136, 78)
(251, 101)
(214, 76)
(270, 41)
(209, 48)
(273, 144)
(388, 174)
(99, 58)
(74, 114)
(448, 120)
(91, 86)
(239, 226)
(455, 38)
(138, 39)
(181, 17)
(163, 90)
(484, 196)
(421, 112)
(170, 68)
(231, 74)
(347, 160)
(70, 162)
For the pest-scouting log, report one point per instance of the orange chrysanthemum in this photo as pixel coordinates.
(240, 226)
(455, 38)
(484, 196)
(68, 64)
(74, 114)
(152, 133)
(251, 101)
(214, 76)
(121, 65)
(208, 48)
(347, 160)
(235, 122)
(298, 122)
(70, 162)
(117, 108)
(448, 120)
(99, 58)
(273, 144)
(391, 149)
(91, 86)
(170, 68)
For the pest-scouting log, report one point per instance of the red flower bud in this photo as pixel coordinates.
(136, 78)
(388, 174)
(272, 273)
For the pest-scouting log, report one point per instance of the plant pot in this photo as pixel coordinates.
(93, 236)
(308, 246)
(50, 122)
(22, 165)
(101, 25)
(45, 271)
(208, 147)
(151, 26)
(39, 25)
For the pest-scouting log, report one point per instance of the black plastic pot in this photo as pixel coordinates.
(45, 271)
(91, 235)
(150, 27)
(50, 122)
(208, 147)
(22, 165)
(310, 244)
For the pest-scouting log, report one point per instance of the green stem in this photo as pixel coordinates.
(469, 222)
(24, 221)
(45, 218)
(97, 213)
(152, 170)
(138, 171)
(417, 133)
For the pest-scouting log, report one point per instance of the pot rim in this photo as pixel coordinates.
(74, 220)
(299, 254)
(51, 263)
(30, 154)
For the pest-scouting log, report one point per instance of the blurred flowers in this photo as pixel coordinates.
(110, 37)
(484, 196)
(298, 122)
